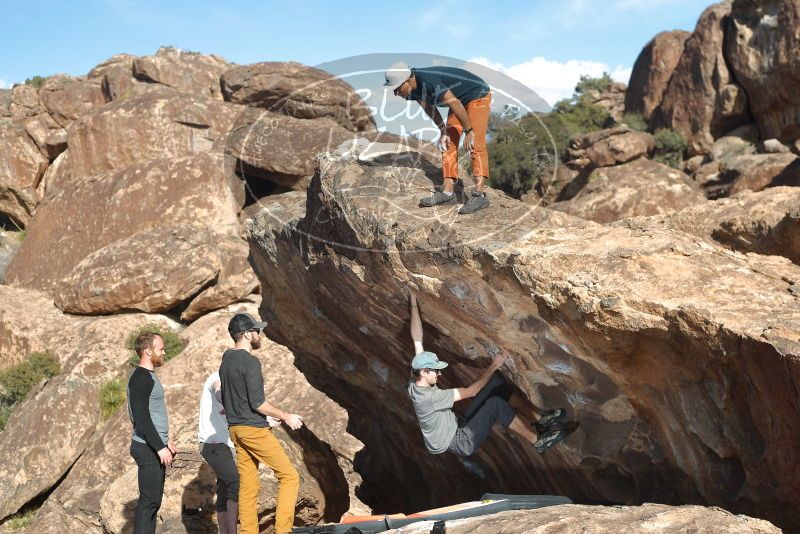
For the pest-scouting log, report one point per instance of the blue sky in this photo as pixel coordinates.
(545, 44)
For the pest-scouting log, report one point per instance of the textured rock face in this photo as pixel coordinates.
(96, 211)
(279, 148)
(9, 244)
(5, 103)
(187, 72)
(612, 146)
(21, 168)
(67, 99)
(754, 172)
(147, 127)
(299, 91)
(234, 281)
(100, 490)
(24, 101)
(36, 452)
(574, 519)
(641, 187)
(611, 100)
(702, 101)
(761, 49)
(677, 356)
(652, 72)
(765, 223)
(152, 271)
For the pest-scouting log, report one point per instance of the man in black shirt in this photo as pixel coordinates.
(469, 100)
(246, 410)
(151, 447)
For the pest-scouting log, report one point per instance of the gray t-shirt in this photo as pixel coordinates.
(435, 415)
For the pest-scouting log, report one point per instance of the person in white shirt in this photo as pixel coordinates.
(216, 449)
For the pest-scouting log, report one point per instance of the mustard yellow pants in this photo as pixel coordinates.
(255, 446)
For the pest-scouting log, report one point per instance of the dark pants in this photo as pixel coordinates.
(489, 406)
(151, 487)
(220, 458)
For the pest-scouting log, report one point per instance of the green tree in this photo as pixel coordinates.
(36, 81)
(523, 152)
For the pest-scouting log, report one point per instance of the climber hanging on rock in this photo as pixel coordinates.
(468, 98)
(443, 432)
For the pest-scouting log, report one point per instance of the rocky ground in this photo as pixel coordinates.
(659, 305)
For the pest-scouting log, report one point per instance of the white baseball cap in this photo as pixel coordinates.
(397, 74)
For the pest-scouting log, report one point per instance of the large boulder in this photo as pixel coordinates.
(279, 148)
(641, 187)
(24, 101)
(652, 72)
(147, 127)
(152, 271)
(234, 281)
(761, 49)
(754, 172)
(100, 490)
(299, 91)
(702, 100)
(677, 357)
(767, 222)
(579, 519)
(43, 438)
(187, 72)
(740, 142)
(66, 99)
(22, 166)
(99, 210)
(49, 136)
(608, 147)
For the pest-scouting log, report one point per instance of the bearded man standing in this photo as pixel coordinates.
(151, 447)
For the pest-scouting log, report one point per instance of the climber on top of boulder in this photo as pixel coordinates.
(468, 98)
(443, 432)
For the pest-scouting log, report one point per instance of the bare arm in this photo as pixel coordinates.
(475, 387)
(457, 108)
(434, 114)
(268, 409)
(416, 324)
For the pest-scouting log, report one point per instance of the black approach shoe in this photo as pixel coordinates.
(436, 199)
(548, 418)
(476, 202)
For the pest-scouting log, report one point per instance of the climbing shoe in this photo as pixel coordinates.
(554, 436)
(436, 199)
(548, 418)
(477, 201)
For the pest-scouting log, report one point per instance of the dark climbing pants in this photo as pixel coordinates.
(220, 457)
(151, 487)
(489, 406)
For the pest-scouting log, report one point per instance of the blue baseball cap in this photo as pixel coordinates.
(427, 360)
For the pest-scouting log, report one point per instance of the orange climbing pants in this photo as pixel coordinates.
(478, 113)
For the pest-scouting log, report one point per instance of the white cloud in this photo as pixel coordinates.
(553, 80)
(4, 84)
